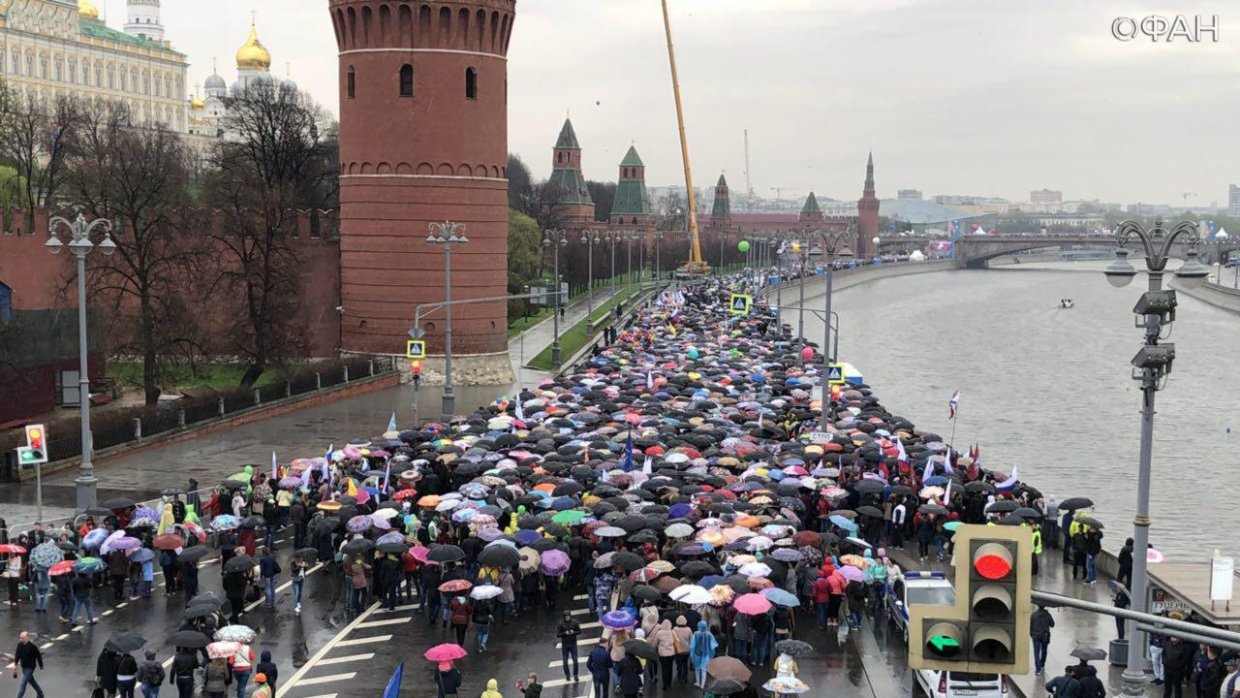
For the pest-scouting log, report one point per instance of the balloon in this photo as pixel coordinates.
(807, 353)
(743, 246)
(692, 353)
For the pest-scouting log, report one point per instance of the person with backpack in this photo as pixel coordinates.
(126, 675)
(1091, 685)
(150, 676)
(459, 612)
(217, 678)
(268, 568)
(1040, 624)
(483, 618)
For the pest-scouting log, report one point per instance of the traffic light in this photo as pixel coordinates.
(986, 630)
(415, 370)
(35, 451)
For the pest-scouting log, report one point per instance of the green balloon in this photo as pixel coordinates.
(743, 246)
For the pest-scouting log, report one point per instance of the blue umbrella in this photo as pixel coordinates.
(844, 523)
(781, 597)
(142, 555)
(95, 538)
(526, 536)
(935, 480)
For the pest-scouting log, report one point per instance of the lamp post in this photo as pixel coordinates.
(611, 237)
(801, 250)
(447, 234)
(876, 240)
(658, 254)
(833, 244)
(1151, 364)
(556, 239)
(80, 245)
(589, 238)
(629, 237)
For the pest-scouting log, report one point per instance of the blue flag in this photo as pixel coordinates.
(274, 468)
(392, 423)
(628, 454)
(393, 686)
(327, 463)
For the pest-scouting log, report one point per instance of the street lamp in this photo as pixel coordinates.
(833, 244)
(1152, 364)
(658, 250)
(629, 237)
(589, 238)
(556, 239)
(876, 240)
(801, 249)
(80, 245)
(447, 234)
(611, 237)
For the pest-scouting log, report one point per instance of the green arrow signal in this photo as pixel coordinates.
(943, 643)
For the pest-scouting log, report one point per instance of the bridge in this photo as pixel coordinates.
(974, 251)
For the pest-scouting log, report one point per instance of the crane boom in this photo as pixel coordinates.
(696, 263)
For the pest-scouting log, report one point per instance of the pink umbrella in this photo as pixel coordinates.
(852, 574)
(555, 563)
(1152, 555)
(419, 553)
(447, 652)
(751, 604)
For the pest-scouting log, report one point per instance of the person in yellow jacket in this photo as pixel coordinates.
(492, 690)
(512, 524)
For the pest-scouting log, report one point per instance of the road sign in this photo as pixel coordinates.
(741, 303)
(820, 437)
(415, 349)
(417, 333)
(835, 374)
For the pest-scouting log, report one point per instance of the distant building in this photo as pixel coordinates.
(1142, 209)
(1233, 200)
(914, 194)
(1045, 197)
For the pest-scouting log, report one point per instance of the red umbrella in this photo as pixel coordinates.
(62, 567)
(447, 652)
(402, 495)
(12, 549)
(455, 586)
(751, 604)
(645, 575)
(419, 553)
(807, 538)
(168, 541)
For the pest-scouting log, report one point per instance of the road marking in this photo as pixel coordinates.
(63, 636)
(328, 695)
(580, 597)
(580, 612)
(552, 683)
(122, 604)
(582, 641)
(410, 607)
(349, 658)
(595, 624)
(328, 679)
(46, 645)
(106, 613)
(361, 618)
(364, 641)
(380, 623)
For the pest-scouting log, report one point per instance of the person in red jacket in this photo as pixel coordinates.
(821, 591)
(836, 584)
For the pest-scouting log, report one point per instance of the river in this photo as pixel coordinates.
(1049, 390)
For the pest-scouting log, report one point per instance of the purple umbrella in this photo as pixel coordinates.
(392, 537)
(358, 524)
(291, 482)
(380, 522)
(618, 620)
(125, 543)
(852, 574)
(555, 563)
(525, 536)
(490, 534)
(95, 538)
(787, 555)
(144, 513)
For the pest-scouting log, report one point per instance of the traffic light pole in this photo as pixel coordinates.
(1148, 622)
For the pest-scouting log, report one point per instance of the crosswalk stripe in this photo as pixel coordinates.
(327, 679)
(582, 641)
(552, 683)
(595, 624)
(580, 611)
(364, 640)
(349, 658)
(410, 607)
(379, 623)
(325, 695)
(580, 597)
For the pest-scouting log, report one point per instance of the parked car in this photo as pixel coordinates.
(953, 684)
(916, 587)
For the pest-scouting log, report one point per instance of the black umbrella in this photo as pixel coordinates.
(116, 503)
(199, 611)
(979, 486)
(628, 561)
(252, 521)
(794, 648)
(307, 555)
(499, 556)
(1074, 503)
(194, 554)
(870, 486)
(725, 687)
(934, 509)
(1089, 521)
(98, 511)
(642, 649)
(126, 642)
(1011, 520)
(1003, 506)
(1028, 513)
(1088, 653)
(393, 547)
(542, 545)
(445, 553)
(867, 510)
(697, 568)
(189, 639)
(358, 546)
(647, 593)
(240, 563)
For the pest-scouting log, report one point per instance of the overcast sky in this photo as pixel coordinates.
(986, 97)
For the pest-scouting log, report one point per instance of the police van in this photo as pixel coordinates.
(916, 587)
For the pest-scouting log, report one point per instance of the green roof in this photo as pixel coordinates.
(811, 205)
(568, 137)
(98, 30)
(632, 199)
(632, 159)
(570, 187)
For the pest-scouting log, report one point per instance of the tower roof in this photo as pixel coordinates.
(869, 174)
(632, 159)
(811, 204)
(722, 181)
(568, 137)
(253, 55)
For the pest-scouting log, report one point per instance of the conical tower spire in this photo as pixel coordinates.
(869, 175)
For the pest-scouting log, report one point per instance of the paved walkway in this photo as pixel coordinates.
(1073, 628)
(530, 343)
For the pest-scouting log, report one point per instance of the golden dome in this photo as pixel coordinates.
(253, 55)
(87, 10)
(196, 102)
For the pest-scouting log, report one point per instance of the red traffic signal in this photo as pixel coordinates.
(992, 561)
(36, 437)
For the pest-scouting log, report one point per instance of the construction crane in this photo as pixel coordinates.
(748, 181)
(779, 192)
(695, 265)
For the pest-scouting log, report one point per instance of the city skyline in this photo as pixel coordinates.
(959, 97)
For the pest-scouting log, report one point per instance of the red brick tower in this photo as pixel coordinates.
(423, 138)
(867, 215)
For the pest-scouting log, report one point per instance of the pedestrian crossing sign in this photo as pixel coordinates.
(415, 349)
(741, 303)
(835, 374)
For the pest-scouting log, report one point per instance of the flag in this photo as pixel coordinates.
(275, 469)
(648, 465)
(649, 380)
(947, 494)
(392, 423)
(947, 462)
(351, 489)
(387, 475)
(393, 685)
(953, 405)
(327, 462)
(901, 454)
(1008, 483)
(628, 454)
(520, 411)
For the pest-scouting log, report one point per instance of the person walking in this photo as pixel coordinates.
(14, 572)
(106, 671)
(262, 689)
(447, 680)
(1121, 600)
(26, 658)
(630, 676)
(702, 649)
(459, 612)
(268, 568)
(1158, 641)
(1093, 548)
(682, 637)
(1065, 686)
(183, 666)
(530, 688)
(297, 575)
(598, 663)
(492, 690)
(1124, 576)
(483, 618)
(150, 676)
(567, 631)
(1177, 662)
(268, 668)
(217, 678)
(242, 664)
(1040, 624)
(234, 590)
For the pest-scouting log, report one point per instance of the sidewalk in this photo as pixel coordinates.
(542, 335)
(1072, 629)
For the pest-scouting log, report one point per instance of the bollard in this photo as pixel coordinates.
(372, 367)
(181, 418)
(220, 400)
(258, 400)
(137, 428)
(345, 368)
(318, 381)
(288, 389)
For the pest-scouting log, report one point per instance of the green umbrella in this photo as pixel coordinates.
(569, 517)
(951, 525)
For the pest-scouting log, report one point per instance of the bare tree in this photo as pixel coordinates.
(137, 177)
(36, 140)
(272, 163)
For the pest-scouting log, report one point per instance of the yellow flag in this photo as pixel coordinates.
(352, 491)
(671, 328)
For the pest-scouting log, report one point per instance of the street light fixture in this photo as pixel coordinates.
(833, 244)
(80, 245)
(1151, 366)
(556, 239)
(590, 238)
(447, 234)
(658, 249)
(611, 237)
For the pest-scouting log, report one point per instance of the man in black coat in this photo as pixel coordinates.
(26, 658)
(1177, 665)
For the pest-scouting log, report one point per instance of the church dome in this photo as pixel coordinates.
(253, 55)
(196, 102)
(87, 10)
(215, 82)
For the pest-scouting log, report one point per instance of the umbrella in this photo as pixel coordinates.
(88, 565)
(485, 591)
(12, 549)
(627, 561)
(690, 594)
(781, 597)
(240, 563)
(647, 593)
(44, 555)
(728, 668)
(125, 643)
(222, 650)
(1088, 653)
(783, 685)
(751, 604)
(225, 522)
(754, 569)
(455, 586)
(168, 541)
(63, 567)
(1003, 506)
(499, 556)
(200, 611)
(447, 652)
(393, 547)
(852, 574)
(642, 649)
(189, 639)
(678, 530)
(358, 546)
(794, 648)
(117, 503)
(619, 620)
(445, 553)
(1074, 503)
(1089, 521)
(725, 687)
(307, 555)
(141, 555)
(569, 517)
(610, 532)
(235, 633)
(1154, 556)
(194, 554)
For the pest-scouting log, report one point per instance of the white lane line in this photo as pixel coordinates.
(328, 679)
(122, 604)
(361, 618)
(580, 612)
(63, 636)
(580, 597)
(582, 641)
(552, 683)
(381, 623)
(595, 624)
(333, 695)
(410, 607)
(46, 645)
(349, 658)
(364, 641)
(106, 613)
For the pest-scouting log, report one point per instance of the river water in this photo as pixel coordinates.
(1049, 390)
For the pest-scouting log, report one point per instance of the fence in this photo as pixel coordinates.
(116, 427)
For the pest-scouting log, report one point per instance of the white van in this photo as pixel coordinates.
(953, 684)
